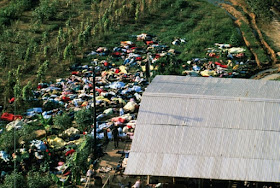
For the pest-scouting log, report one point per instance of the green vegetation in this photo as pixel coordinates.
(14, 180)
(262, 8)
(254, 43)
(63, 121)
(46, 37)
(83, 118)
(40, 40)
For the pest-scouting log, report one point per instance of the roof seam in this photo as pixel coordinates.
(211, 97)
(212, 156)
(236, 128)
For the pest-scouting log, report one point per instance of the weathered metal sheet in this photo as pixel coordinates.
(208, 128)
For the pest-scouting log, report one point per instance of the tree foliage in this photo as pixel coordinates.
(27, 93)
(15, 179)
(261, 8)
(37, 180)
(84, 119)
(45, 11)
(42, 70)
(63, 121)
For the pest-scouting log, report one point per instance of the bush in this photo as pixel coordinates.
(235, 39)
(83, 119)
(16, 179)
(63, 121)
(181, 4)
(7, 140)
(36, 180)
(45, 11)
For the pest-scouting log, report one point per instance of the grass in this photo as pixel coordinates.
(201, 23)
(254, 43)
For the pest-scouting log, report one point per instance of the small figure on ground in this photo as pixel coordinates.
(115, 134)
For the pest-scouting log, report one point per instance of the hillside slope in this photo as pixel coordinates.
(59, 33)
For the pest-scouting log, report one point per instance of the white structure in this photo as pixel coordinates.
(210, 128)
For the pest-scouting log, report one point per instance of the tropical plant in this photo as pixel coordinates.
(15, 180)
(45, 11)
(63, 121)
(84, 119)
(27, 93)
(37, 180)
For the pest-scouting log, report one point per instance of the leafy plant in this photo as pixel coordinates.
(37, 180)
(45, 11)
(15, 180)
(84, 119)
(63, 121)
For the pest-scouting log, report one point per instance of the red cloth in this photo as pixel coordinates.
(223, 66)
(7, 116)
(122, 120)
(117, 71)
(69, 152)
(118, 119)
(106, 64)
(149, 42)
(66, 173)
(75, 73)
(157, 56)
(65, 99)
(99, 90)
(12, 100)
(17, 117)
(117, 54)
(10, 117)
(138, 58)
(39, 87)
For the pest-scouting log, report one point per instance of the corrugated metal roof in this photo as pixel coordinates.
(209, 128)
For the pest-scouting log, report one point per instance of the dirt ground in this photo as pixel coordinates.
(110, 160)
(272, 30)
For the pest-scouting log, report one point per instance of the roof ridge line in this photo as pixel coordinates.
(196, 96)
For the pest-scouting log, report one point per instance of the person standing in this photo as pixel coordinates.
(115, 134)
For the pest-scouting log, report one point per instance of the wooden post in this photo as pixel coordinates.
(148, 179)
(173, 181)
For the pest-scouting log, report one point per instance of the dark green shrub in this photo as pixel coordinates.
(15, 180)
(45, 11)
(84, 119)
(63, 121)
(37, 180)
(179, 4)
(235, 39)
(7, 140)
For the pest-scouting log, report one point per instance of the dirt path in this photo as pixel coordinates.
(110, 161)
(272, 30)
(271, 77)
(240, 17)
(252, 22)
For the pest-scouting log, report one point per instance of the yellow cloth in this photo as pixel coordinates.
(208, 73)
(151, 68)
(101, 98)
(235, 67)
(56, 142)
(123, 69)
